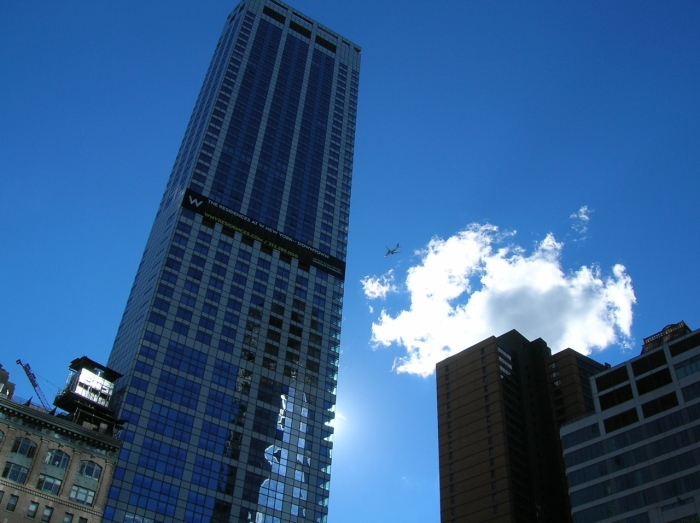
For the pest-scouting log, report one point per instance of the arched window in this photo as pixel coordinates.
(57, 458)
(24, 446)
(90, 469)
(15, 472)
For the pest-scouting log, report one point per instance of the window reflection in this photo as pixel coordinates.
(285, 458)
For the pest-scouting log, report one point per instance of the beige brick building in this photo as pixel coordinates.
(52, 470)
(57, 468)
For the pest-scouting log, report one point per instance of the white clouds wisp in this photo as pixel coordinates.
(378, 287)
(581, 219)
(465, 289)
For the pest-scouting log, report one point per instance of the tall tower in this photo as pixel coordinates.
(499, 411)
(230, 338)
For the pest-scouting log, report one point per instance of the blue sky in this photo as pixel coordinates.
(540, 147)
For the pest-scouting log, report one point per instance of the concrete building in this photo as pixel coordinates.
(230, 338)
(56, 468)
(637, 458)
(500, 403)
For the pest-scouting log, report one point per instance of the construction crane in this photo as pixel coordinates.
(32, 379)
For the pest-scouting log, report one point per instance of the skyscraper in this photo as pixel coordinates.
(500, 403)
(230, 338)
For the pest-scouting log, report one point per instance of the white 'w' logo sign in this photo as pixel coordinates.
(195, 202)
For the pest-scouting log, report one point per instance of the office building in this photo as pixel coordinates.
(230, 337)
(58, 467)
(637, 458)
(500, 403)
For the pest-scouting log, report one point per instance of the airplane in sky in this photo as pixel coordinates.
(389, 251)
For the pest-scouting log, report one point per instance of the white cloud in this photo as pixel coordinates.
(374, 287)
(581, 219)
(465, 289)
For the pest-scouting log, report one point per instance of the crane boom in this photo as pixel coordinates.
(32, 379)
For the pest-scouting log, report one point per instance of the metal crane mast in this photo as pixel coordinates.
(32, 379)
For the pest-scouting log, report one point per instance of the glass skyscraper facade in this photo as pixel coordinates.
(230, 338)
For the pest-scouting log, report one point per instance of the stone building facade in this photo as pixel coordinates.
(52, 470)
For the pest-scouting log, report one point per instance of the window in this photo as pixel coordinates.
(615, 397)
(191, 287)
(188, 300)
(68, 518)
(90, 469)
(12, 503)
(620, 420)
(46, 515)
(32, 510)
(661, 404)
(15, 472)
(57, 458)
(612, 378)
(48, 484)
(24, 446)
(82, 495)
(210, 309)
(654, 381)
(83, 520)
